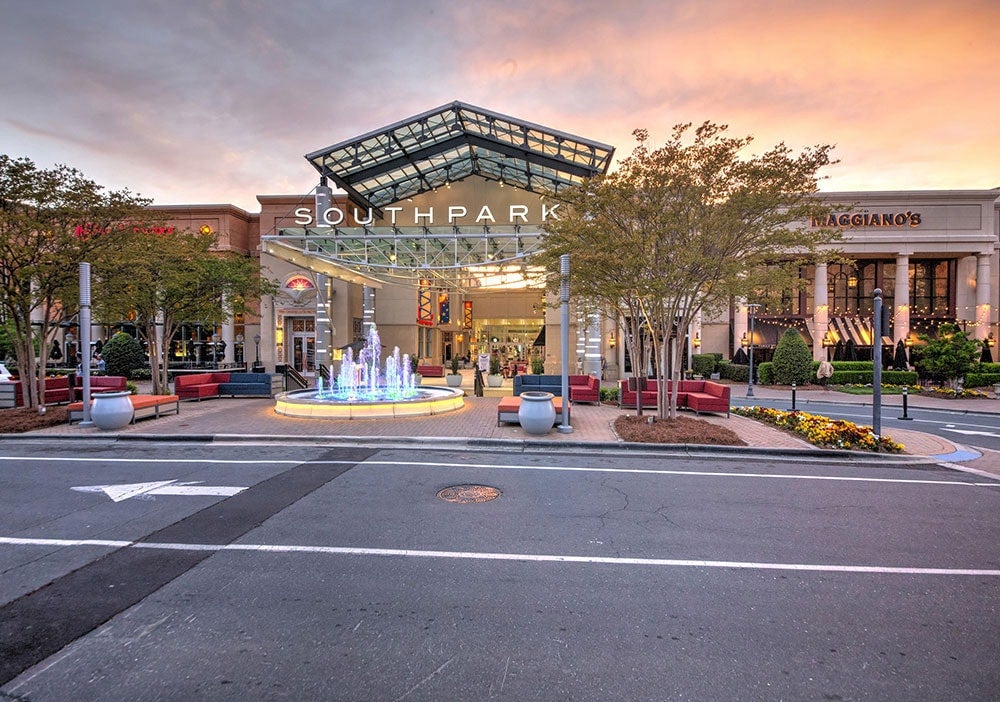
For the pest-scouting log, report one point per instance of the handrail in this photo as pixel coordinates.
(324, 372)
(299, 379)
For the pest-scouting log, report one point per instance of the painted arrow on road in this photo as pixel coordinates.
(161, 487)
(970, 432)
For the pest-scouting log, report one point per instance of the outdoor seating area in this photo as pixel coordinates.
(200, 386)
(100, 383)
(430, 370)
(507, 410)
(143, 406)
(696, 395)
(56, 392)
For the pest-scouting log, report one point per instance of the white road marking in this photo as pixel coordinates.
(523, 557)
(971, 432)
(160, 487)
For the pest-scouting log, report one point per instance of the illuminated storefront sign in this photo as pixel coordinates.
(452, 214)
(868, 220)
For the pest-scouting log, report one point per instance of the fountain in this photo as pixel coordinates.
(362, 390)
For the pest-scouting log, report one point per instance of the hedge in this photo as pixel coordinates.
(703, 364)
(735, 372)
(979, 380)
(765, 373)
(889, 377)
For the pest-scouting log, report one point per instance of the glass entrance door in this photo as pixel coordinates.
(303, 343)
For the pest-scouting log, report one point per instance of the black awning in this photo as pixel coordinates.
(540, 339)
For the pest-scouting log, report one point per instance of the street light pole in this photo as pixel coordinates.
(256, 341)
(751, 309)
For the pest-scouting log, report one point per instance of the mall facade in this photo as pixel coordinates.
(427, 228)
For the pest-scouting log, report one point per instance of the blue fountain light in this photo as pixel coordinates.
(364, 379)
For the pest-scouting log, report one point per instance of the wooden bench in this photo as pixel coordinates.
(510, 404)
(142, 405)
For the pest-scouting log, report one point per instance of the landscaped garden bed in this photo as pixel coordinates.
(823, 431)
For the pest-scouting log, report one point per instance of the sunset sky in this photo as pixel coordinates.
(216, 102)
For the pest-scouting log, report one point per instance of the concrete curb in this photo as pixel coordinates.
(862, 403)
(533, 445)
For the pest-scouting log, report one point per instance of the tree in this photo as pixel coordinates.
(948, 356)
(792, 360)
(685, 228)
(161, 278)
(50, 221)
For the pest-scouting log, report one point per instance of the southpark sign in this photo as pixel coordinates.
(417, 216)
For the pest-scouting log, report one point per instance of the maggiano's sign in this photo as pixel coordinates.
(452, 214)
(868, 220)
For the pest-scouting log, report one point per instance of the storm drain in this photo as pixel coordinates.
(467, 494)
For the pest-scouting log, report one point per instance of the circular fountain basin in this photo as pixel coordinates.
(428, 400)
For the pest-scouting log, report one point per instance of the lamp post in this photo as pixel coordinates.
(751, 309)
(256, 341)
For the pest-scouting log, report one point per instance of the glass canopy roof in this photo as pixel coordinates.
(419, 154)
(450, 143)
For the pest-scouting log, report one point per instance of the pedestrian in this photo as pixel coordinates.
(824, 372)
(99, 363)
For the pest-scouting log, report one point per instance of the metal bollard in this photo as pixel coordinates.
(793, 396)
(905, 398)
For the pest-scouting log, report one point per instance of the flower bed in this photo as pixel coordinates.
(953, 394)
(823, 431)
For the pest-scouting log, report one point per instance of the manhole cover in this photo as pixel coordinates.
(465, 494)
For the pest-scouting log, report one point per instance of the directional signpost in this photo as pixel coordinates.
(160, 487)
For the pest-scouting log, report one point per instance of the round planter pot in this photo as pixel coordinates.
(494, 381)
(454, 381)
(537, 414)
(112, 410)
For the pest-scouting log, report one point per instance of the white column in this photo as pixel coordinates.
(739, 324)
(821, 312)
(368, 310)
(982, 328)
(324, 325)
(901, 327)
(592, 349)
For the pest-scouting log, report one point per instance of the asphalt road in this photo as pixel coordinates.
(338, 574)
(973, 430)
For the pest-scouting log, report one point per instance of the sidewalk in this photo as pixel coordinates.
(477, 421)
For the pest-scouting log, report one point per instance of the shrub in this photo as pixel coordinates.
(454, 365)
(765, 373)
(735, 372)
(123, 354)
(792, 359)
(610, 394)
(494, 365)
(703, 364)
(949, 356)
(537, 365)
(979, 380)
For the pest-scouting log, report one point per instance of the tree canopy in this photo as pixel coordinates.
(688, 227)
(50, 221)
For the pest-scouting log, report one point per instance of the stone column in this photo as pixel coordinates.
(368, 307)
(982, 328)
(821, 312)
(592, 349)
(324, 323)
(901, 326)
(739, 324)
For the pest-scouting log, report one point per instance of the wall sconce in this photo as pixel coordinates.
(852, 281)
(990, 341)
(612, 341)
(743, 341)
(828, 340)
(279, 336)
(697, 341)
(908, 342)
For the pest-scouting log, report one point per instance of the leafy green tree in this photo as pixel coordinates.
(684, 228)
(948, 356)
(792, 360)
(51, 220)
(123, 354)
(162, 279)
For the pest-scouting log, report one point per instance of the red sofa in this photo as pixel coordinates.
(697, 395)
(100, 383)
(56, 390)
(197, 386)
(431, 371)
(584, 388)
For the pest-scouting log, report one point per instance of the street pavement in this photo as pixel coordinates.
(233, 418)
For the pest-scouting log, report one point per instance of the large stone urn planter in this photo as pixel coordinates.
(494, 381)
(112, 410)
(454, 381)
(536, 414)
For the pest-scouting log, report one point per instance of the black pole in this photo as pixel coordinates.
(793, 395)
(905, 398)
(877, 358)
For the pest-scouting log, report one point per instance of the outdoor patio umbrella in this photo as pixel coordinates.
(899, 361)
(987, 355)
(838, 351)
(740, 358)
(850, 353)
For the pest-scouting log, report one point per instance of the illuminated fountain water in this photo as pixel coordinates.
(364, 390)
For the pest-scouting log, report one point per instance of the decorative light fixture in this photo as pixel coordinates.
(697, 340)
(612, 340)
(908, 342)
(852, 281)
(828, 339)
(743, 341)
(990, 341)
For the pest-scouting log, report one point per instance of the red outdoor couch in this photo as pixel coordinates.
(431, 371)
(56, 390)
(100, 383)
(697, 395)
(198, 386)
(584, 388)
